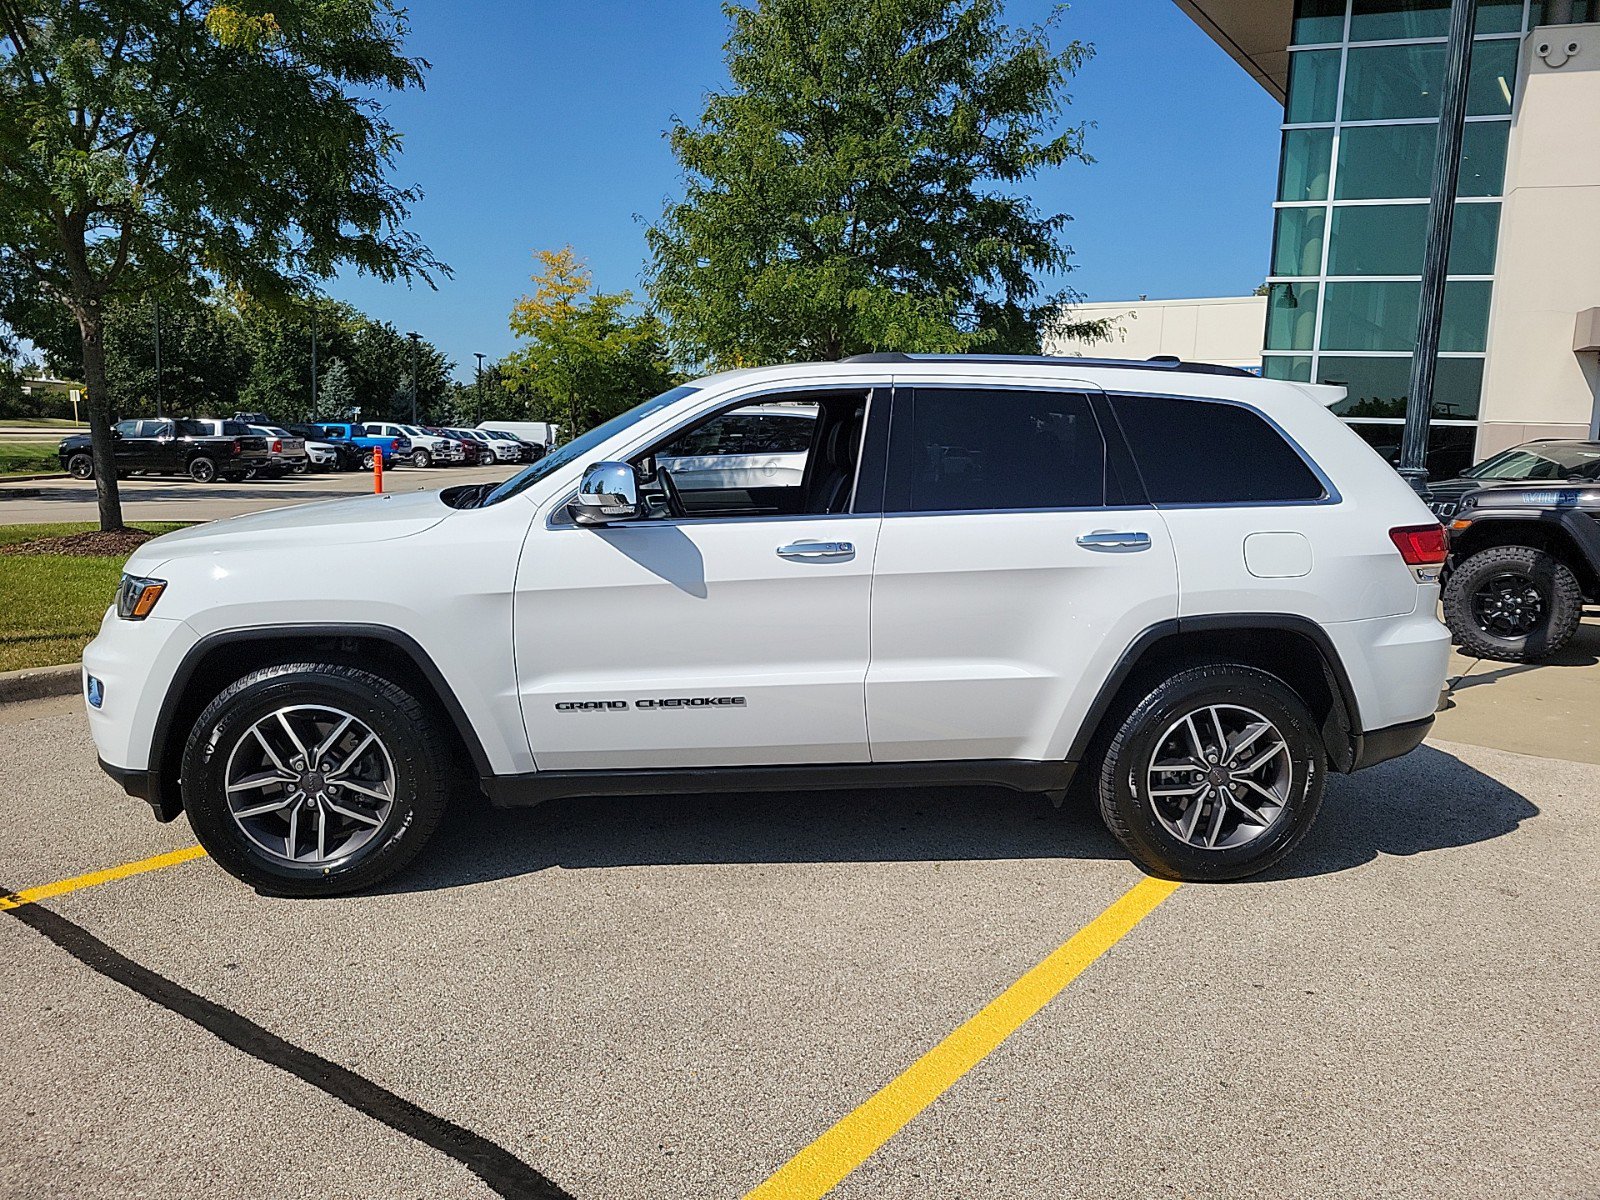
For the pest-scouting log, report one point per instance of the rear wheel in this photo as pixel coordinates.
(366, 461)
(1216, 773)
(314, 779)
(1513, 603)
(202, 470)
(80, 466)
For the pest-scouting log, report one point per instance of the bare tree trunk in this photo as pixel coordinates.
(91, 324)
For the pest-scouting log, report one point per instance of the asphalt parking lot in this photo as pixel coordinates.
(677, 997)
(170, 498)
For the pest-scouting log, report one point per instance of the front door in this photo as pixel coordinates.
(1012, 572)
(722, 630)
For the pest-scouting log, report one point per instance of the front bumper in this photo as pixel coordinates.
(135, 662)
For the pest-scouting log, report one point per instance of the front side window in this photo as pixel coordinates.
(968, 449)
(1210, 452)
(781, 457)
(766, 429)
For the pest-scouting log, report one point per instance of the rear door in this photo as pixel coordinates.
(1015, 563)
(157, 447)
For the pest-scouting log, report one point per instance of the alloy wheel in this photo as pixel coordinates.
(1508, 604)
(310, 784)
(1219, 776)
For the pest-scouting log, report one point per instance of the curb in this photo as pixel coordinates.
(33, 478)
(37, 683)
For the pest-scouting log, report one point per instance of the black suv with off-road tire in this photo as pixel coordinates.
(1524, 549)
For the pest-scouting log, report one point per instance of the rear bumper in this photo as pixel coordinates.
(1380, 745)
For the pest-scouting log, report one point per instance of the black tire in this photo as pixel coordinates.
(202, 469)
(1535, 598)
(1132, 814)
(366, 461)
(421, 459)
(300, 467)
(80, 466)
(407, 732)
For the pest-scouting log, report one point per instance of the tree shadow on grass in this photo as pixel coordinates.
(1429, 800)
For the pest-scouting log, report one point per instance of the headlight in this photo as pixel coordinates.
(136, 596)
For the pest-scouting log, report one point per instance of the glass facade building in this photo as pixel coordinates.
(1361, 120)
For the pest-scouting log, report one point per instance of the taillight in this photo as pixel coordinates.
(277, 446)
(237, 447)
(1420, 545)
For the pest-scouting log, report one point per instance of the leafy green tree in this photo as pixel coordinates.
(336, 394)
(380, 360)
(585, 357)
(147, 143)
(203, 358)
(857, 187)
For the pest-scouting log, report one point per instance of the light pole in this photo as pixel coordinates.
(415, 338)
(155, 319)
(313, 359)
(479, 357)
(1436, 255)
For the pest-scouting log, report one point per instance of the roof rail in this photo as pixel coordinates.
(1159, 363)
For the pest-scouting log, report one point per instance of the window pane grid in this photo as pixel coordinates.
(1345, 257)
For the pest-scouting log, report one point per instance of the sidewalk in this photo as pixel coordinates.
(1550, 709)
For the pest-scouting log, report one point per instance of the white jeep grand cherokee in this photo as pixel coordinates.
(1196, 589)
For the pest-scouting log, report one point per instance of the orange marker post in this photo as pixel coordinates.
(377, 469)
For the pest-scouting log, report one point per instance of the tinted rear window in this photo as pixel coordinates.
(1205, 452)
(966, 450)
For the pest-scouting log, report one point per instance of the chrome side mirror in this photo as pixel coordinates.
(609, 492)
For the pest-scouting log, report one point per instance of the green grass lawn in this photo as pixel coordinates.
(28, 458)
(39, 423)
(51, 604)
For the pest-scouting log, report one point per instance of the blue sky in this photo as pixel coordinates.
(542, 124)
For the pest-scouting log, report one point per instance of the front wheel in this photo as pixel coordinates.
(1216, 773)
(421, 458)
(314, 779)
(1513, 603)
(202, 470)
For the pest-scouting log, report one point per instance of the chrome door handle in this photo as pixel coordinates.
(817, 550)
(1112, 539)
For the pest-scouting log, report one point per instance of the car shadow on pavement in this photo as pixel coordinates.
(1429, 800)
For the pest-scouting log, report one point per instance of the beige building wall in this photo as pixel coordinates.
(1226, 330)
(1547, 269)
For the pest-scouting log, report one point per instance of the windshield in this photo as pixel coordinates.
(581, 446)
(1552, 460)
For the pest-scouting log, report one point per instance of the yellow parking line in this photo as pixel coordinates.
(61, 887)
(818, 1169)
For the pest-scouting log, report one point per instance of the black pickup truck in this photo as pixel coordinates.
(172, 447)
(1524, 548)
